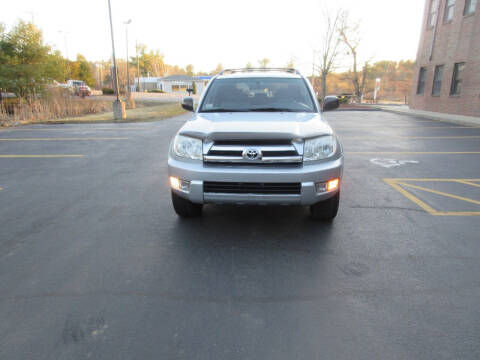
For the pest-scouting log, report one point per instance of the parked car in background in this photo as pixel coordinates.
(79, 88)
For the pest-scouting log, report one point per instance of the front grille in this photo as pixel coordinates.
(269, 152)
(252, 188)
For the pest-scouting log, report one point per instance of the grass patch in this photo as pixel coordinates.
(147, 113)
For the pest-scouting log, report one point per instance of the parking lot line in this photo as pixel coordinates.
(64, 139)
(40, 156)
(440, 193)
(73, 129)
(399, 182)
(469, 183)
(414, 137)
(412, 152)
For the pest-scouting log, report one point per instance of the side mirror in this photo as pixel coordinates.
(187, 103)
(330, 103)
(190, 91)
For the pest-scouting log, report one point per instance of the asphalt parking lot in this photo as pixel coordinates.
(95, 264)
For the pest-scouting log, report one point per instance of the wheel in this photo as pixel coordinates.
(185, 208)
(326, 210)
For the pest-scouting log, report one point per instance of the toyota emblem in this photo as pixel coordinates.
(252, 154)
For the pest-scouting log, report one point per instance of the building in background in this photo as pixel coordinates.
(173, 83)
(447, 71)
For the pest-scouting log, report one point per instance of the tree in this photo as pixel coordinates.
(23, 60)
(151, 62)
(217, 70)
(349, 34)
(263, 63)
(81, 69)
(189, 69)
(249, 65)
(329, 45)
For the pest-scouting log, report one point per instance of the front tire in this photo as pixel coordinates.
(326, 210)
(185, 208)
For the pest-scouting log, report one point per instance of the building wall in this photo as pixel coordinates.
(456, 41)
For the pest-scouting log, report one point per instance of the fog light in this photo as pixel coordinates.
(320, 187)
(332, 184)
(327, 186)
(178, 184)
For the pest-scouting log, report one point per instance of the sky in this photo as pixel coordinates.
(208, 32)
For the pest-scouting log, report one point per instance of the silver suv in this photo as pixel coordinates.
(257, 136)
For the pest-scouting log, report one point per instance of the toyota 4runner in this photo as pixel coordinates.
(257, 136)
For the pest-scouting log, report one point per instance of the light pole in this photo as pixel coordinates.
(118, 105)
(138, 67)
(129, 93)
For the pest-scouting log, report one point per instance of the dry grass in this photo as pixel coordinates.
(54, 105)
(148, 113)
(58, 107)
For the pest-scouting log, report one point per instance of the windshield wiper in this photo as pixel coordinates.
(223, 110)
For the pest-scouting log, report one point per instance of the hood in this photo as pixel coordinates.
(255, 125)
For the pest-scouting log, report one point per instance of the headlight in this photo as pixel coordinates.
(319, 148)
(188, 147)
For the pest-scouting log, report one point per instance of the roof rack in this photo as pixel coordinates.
(233, 71)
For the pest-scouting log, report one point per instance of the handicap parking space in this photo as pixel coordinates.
(448, 197)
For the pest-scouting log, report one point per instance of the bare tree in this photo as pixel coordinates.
(349, 34)
(329, 45)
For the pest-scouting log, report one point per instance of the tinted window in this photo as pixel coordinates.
(258, 94)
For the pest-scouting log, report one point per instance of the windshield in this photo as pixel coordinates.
(258, 94)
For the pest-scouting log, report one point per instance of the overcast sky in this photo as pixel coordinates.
(207, 32)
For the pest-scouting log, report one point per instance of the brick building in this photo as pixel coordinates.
(447, 71)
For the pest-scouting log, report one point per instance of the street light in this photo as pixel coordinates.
(118, 105)
(129, 94)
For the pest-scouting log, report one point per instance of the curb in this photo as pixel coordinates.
(440, 118)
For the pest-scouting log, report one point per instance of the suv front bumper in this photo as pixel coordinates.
(307, 175)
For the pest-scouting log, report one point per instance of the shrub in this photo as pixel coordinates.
(107, 91)
(157, 91)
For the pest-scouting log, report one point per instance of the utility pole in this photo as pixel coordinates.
(118, 105)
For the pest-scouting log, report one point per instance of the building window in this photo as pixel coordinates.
(432, 17)
(449, 8)
(457, 79)
(470, 7)
(437, 80)
(421, 81)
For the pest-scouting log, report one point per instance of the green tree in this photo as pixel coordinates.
(249, 65)
(23, 60)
